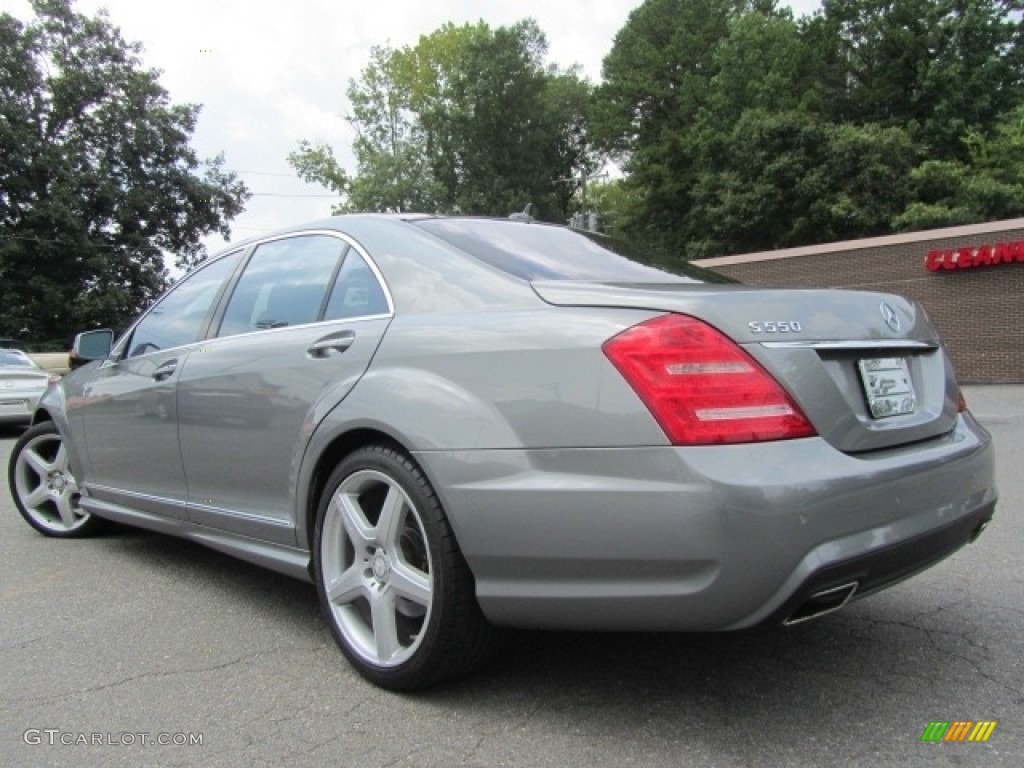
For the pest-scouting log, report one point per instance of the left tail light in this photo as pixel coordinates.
(701, 387)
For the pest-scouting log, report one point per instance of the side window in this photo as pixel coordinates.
(179, 316)
(284, 283)
(356, 291)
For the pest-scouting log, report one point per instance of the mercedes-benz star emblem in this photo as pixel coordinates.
(890, 317)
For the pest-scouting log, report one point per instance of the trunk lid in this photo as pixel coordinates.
(9, 379)
(854, 361)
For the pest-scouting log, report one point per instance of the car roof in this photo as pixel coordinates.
(345, 222)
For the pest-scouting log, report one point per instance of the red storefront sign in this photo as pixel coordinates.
(971, 256)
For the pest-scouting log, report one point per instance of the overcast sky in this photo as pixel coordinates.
(269, 73)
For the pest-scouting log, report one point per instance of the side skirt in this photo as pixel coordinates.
(276, 557)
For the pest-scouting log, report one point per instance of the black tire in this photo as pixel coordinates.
(407, 570)
(44, 487)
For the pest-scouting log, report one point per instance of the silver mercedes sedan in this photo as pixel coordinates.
(452, 425)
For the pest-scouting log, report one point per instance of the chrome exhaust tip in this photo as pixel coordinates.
(821, 603)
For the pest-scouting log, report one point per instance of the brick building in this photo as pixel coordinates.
(969, 279)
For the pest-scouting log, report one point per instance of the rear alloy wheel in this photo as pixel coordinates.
(393, 585)
(43, 486)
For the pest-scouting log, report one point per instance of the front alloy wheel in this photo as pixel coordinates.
(44, 487)
(393, 585)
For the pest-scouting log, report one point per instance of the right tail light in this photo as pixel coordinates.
(701, 387)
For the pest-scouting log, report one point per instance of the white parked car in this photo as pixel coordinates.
(22, 383)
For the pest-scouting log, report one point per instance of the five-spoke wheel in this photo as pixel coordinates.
(44, 486)
(376, 568)
(392, 582)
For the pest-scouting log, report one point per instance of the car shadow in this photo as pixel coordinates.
(12, 431)
(866, 650)
(263, 593)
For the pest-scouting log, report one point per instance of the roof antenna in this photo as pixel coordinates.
(524, 216)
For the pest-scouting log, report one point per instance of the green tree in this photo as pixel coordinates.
(795, 180)
(988, 186)
(743, 129)
(96, 176)
(317, 164)
(941, 68)
(395, 170)
(615, 202)
(468, 120)
(668, 88)
(762, 64)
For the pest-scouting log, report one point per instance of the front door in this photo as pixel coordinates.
(127, 410)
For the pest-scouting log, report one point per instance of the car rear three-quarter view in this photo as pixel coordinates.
(518, 425)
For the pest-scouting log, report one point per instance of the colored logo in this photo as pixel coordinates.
(958, 730)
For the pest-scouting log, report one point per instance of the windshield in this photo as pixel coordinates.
(534, 251)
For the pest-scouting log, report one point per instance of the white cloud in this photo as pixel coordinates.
(271, 73)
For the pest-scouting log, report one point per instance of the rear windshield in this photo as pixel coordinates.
(14, 359)
(534, 251)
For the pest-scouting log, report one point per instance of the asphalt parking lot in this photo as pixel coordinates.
(133, 638)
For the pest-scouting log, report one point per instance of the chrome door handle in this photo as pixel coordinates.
(336, 342)
(165, 371)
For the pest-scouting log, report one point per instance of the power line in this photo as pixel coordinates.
(291, 195)
(269, 173)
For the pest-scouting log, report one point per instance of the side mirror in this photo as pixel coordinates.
(91, 345)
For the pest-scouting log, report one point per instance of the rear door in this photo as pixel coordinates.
(298, 331)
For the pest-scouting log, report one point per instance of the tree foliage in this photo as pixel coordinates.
(470, 119)
(738, 126)
(938, 67)
(96, 176)
(988, 186)
(742, 128)
(792, 179)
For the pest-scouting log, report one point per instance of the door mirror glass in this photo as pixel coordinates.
(91, 345)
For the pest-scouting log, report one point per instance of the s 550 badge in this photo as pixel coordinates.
(775, 326)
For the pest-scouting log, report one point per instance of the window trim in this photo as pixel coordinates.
(211, 324)
(224, 300)
(332, 283)
(120, 350)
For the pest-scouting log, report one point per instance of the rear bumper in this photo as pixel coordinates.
(880, 568)
(16, 418)
(708, 538)
(17, 408)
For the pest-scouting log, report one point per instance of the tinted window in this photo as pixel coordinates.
(180, 316)
(356, 292)
(543, 252)
(283, 284)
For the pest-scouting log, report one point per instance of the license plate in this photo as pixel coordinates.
(11, 405)
(887, 383)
